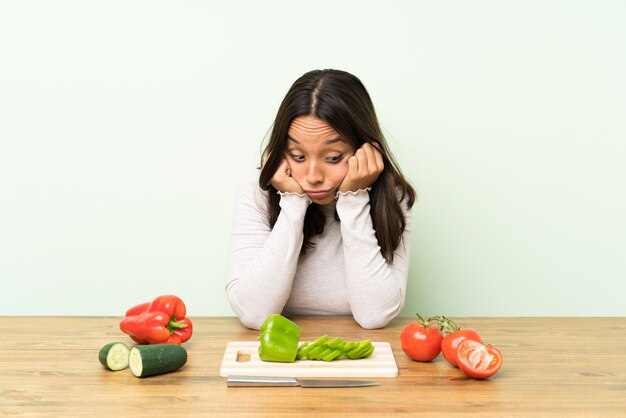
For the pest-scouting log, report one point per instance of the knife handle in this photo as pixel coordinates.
(261, 381)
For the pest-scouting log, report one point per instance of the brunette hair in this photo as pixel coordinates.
(341, 100)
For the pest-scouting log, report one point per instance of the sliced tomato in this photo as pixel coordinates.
(451, 342)
(478, 360)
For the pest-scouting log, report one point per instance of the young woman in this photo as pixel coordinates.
(323, 227)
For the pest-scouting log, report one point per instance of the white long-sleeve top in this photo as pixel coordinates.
(343, 274)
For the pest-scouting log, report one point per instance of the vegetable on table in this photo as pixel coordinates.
(478, 360)
(329, 350)
(114, 356)
(151, 360)
(421, 340)
(463, 348)
(162, 321)
(279, 338)
(453, 335)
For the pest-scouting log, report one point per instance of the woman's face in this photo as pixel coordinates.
(317, 157)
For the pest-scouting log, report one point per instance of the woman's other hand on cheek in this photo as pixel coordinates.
(364, 167)
(282, 180)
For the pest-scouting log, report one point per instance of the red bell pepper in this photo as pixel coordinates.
(161, 321)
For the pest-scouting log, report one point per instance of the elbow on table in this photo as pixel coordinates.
(368, 321)
(251, 321)
(245, 307)
(369, 318)
(252, 318)
(248, 319)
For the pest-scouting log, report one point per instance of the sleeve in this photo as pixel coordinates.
(376, 289)
(263, 260)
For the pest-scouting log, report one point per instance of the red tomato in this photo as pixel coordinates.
(477, 360)
(421, 341)
(450, 343)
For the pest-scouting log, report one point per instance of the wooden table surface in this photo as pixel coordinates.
(552, 367)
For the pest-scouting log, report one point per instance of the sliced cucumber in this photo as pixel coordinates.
(114, 356)
(150, 360)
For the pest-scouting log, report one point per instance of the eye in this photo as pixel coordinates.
(335, 158)
(296, 157)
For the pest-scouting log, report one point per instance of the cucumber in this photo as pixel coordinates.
(114, 356)
(150, 360)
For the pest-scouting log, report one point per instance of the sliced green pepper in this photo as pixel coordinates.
(328, 350)
(279, 339)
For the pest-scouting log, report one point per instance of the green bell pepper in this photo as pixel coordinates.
(279, 339)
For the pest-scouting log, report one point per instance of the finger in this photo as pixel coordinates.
(287, 167)
(281, 173)
(283, 167)
(353, 166)
(371, 158)
(362, 161)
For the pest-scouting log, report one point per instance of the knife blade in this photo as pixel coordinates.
(258, 381)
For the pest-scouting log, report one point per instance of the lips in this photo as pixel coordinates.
(317, 194)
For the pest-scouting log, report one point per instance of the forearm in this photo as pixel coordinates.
(263, 260)
(376, 288)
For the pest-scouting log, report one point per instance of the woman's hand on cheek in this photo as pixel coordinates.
(282, 180)
(364, 167)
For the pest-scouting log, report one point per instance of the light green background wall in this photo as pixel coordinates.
(125, 126)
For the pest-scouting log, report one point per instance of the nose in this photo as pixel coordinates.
(314, 174)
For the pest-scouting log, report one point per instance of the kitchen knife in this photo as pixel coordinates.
(235, 381)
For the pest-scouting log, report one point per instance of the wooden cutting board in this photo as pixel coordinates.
(242, 358)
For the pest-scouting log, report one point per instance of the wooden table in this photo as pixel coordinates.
(552, 367)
